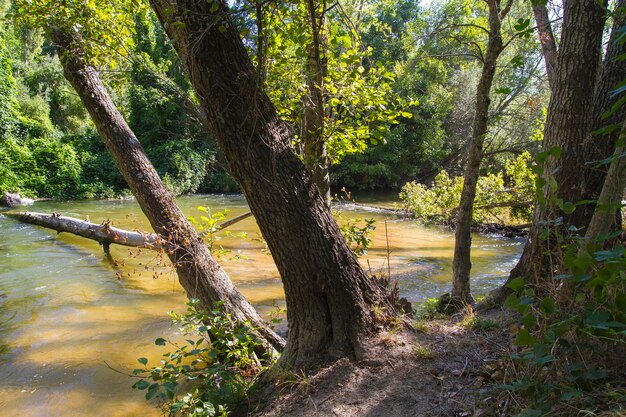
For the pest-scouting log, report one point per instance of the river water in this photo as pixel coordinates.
(68, 314)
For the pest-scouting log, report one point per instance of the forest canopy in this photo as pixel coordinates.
(398, 94)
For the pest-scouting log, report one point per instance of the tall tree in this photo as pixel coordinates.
(568, 124)
(461, 264)
(546, 38)
(330, 299)
(198, 273)
(312, 135)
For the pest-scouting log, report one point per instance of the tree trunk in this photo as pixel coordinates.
(461, 264)
(546, 38)
(314, 145)
(600, 146)
(603, 220)
(331, 302)
(568, 123)
(198, 273)
(104, 233)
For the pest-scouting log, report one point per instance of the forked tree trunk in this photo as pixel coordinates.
(198, 273)
(600, 146)
(568, 123)
(546, 39)
(312, 130)
(461, 264)
(331, 302)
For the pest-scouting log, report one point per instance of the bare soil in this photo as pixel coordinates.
(435, 368)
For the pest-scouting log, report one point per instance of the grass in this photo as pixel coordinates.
(423, 352)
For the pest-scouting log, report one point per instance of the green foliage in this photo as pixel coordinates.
(360, 105)
(8, 104)
(573, 326)
(438, 203)
(568, 350)
(358, 233)
(206, 374)
(434, 204)
(40, 167)
(103, 25)
(210, 228)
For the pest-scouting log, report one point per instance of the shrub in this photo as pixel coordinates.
(209, 372)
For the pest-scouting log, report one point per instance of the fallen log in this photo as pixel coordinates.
(103, 233)
(10, 200)
(383, 210)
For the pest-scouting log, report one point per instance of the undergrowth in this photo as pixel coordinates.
(208, 373)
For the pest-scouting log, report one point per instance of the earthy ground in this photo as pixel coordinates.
(438, 368)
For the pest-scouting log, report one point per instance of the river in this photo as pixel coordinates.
(68, 314)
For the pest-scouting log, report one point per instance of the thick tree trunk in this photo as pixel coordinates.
(546, 38)
(312, 130)
(568, 123)
(330, 300)
(600, 146)
(198, 273)
(461, 264)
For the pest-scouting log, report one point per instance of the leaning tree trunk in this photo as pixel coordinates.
(314, 147)
(461, 264)
(198, 273)
(568, 123)
(546, 38)
(603, 219)
(330, 300)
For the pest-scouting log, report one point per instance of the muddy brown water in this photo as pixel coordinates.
(65, 317)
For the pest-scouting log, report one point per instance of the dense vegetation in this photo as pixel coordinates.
(398, 110)
(383, 94)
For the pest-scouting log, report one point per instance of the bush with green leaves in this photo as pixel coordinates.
(568, 351)
(573, 324)
(495, 196)
(208, 373)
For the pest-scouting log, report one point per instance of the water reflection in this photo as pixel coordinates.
(64, 312)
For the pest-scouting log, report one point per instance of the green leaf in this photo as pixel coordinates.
(141, 384)
(522, 24)
(555, 151)
(568, 208)
(529, 320)
(512, 301)
(516, 284)
(524, 338)
(547, 306)
(598, 319)
(142, 361)
(159, 342)
(152, 391)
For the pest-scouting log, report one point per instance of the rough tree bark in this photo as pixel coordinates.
(461, 264)
(198, 273)
(568, 123)
(312, 129)
(546, 38)
(330, 299)
(603, 220)
(600, 146)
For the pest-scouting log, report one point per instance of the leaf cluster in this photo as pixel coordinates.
(438, 203)
(208, 372)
